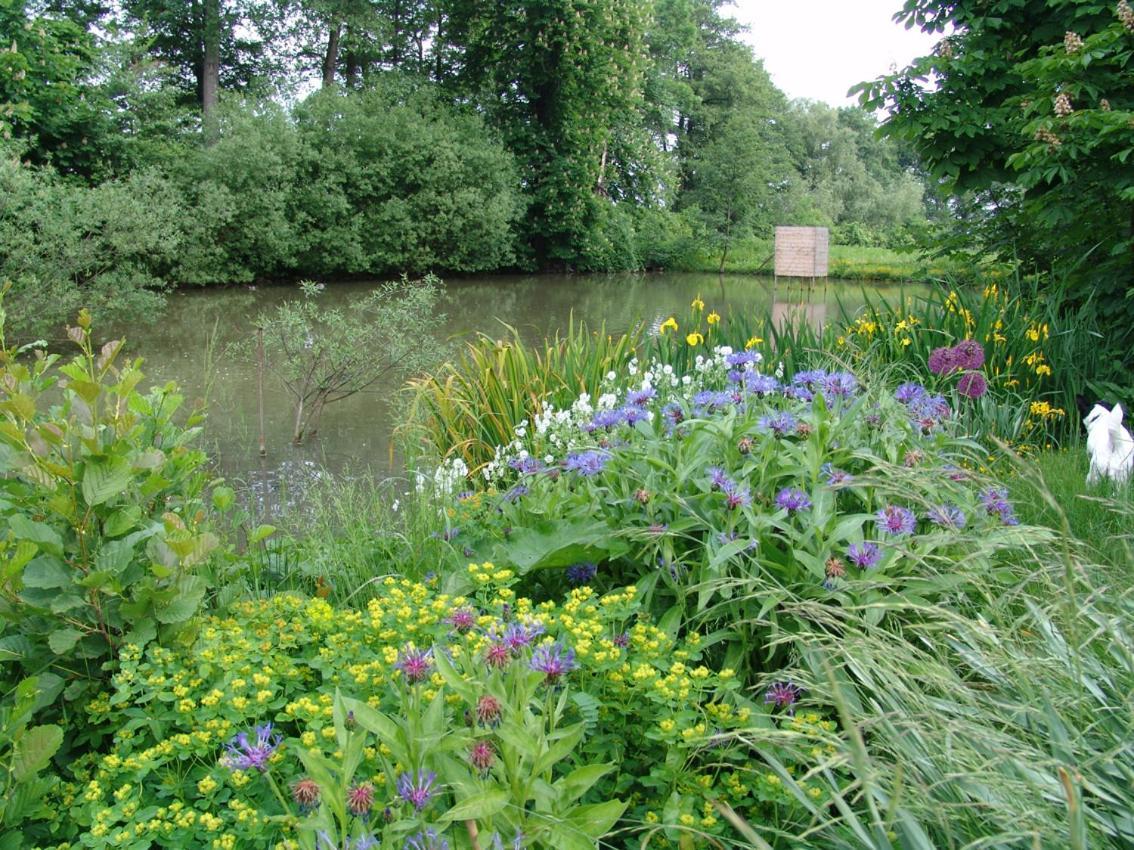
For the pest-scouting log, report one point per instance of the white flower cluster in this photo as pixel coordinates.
(448, 478)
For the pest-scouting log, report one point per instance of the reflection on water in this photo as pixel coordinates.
(192, 344)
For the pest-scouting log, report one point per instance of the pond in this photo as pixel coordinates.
(191, 344)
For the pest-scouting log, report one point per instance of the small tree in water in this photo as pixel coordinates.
(325, 354)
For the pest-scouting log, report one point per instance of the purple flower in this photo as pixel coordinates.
(780, 424)
(909, 392)
(928, 410)
(737, 496)
(417, 790)
(798, 393)
(638, 398)
(947, 516)
(995, 501)
(972, 385)
(554, 661)
(783, 695)
(518, 635)
(463, 619)
(707, 401)
(632, 415)
(673, 413)
(836, 477)
(743, 358)
(718, 480)
(587, 463)
(426, 840)
(760, 384)
(809, 377)
(245, 753)
(968, 354)
(516, 493)
(360, 799)
(527, 465)
(864, 555)
(607, 419)
(894, 519)
(415, 664)
(792, 499)
(581, 573)
(621, 640)
(942, 361)
(839, 385)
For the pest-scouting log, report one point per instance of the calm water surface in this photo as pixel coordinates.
(355, 434)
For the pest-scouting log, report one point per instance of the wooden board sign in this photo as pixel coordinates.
(801, 251)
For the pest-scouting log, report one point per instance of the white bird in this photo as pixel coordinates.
(1109, 444)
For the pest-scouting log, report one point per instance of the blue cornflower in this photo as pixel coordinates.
(792, 499)
(632, 414)
(415, 664)
(864, 555)
(581, 573)
(839, 385)
(995, 501)
(607, 419)
(245, 753)
(908, 392)
(426, 840)
(527, 465)
(809, 377)
(638, 398)
(835, 477)
(515, 493)
(417, 789)
(783, 695)
(896, 520)
(518, 635)
(673, 414)
(737, 496)
(779, 424)
(743, 358)
(718, 480)
(760, 384)
(586, 463)
(554, 661)
(947, 516)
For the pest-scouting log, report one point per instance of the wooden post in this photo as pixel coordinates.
(260, 385)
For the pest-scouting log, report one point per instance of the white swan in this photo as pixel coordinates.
(1109, 444)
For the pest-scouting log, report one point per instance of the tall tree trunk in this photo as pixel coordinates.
(331, 58)
(210, 71)
(353, 67)
(395, 42)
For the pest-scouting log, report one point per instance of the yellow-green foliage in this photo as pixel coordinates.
(471, 405)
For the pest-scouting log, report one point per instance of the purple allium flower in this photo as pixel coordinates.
(718, 480)
(779, 424)
(527, 465)
(947, 516)
(360, 799)
(835, 477)
(415, 664)
(995, 501)
(245, 753)
(783, 695)
(839, 385)
(587, 463)
(968, 354)
(554, 661)
(497, 656)
(972, 385)
(417, 789)
(942, 361)
(737, 496)
(638, 398)
(792, 499)
(481, 756)
(864, 555)
(427, 839)
(760, 384)
(894, 519)
(463, 619)
(488, 710)
(909, 392)
(632, 415)
(581, 573)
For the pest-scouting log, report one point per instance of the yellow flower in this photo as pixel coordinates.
(753, 341)
(669, 324)
(697, 303)
(713, 317)
(694, 338)
(1043, 370)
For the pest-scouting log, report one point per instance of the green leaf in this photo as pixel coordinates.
(33, 750)
(595, 821)
(551, 543)
(40, 533)
(190, 592)
(63, 641)
(47, 571)
(560, 748)
(104, 479)
(122, 520)
(262, 532)
(576, 783)
(479, 806)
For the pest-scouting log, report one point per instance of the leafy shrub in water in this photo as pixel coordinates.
(486, 714)
(101, 522)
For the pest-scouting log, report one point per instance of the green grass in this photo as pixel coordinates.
(854, 262)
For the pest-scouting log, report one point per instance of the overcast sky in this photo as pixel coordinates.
(819, 48)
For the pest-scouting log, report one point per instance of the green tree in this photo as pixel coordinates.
(1027, 110)
(557, 77)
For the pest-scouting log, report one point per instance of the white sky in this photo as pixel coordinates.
(820, 48)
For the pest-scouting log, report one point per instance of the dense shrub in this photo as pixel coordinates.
(65, 246)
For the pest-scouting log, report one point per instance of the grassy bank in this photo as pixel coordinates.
(852, 262)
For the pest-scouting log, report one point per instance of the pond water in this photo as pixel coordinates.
(190, 345)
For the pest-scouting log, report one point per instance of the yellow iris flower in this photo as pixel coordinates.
(694, 338)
